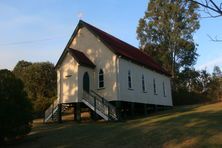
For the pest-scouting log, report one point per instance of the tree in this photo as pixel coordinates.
(213, 9)
(40, 83)
(210, 5)
(203, 82)
(20, 67)
(166, 33)
(15, 108)
(215, 85)
(188, 79)
(217, 72)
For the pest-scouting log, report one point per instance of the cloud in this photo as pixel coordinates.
(211, 64)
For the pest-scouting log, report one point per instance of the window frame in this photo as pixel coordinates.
(129, 80)
(143, 84)
(154, 86)
(164, 89)
(101, 73)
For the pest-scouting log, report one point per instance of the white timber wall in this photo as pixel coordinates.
(67, 80)
(136, 94)
(102, 57)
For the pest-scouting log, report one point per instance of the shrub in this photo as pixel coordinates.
(183, 97)
(40, 105)
(15, 108)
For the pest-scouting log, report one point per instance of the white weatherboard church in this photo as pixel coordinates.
(109, 76)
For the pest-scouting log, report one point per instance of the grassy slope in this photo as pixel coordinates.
(190, 126)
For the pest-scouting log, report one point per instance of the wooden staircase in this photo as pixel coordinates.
(52, 113)
(99, 105)
(93, 100)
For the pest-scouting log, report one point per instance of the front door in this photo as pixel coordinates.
(86, 82)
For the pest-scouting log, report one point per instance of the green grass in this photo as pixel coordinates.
(189, 126)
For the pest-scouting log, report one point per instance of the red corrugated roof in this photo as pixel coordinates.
(126, 50)
(81, 58)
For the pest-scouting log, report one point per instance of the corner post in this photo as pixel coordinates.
(78, 111)
(74, 112)
(145, 110)
(118, 110)
(60, 113)
(132, 105)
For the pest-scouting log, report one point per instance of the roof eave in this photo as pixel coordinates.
(68, 44)
(150, 68)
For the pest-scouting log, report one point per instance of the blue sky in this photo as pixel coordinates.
(38, 30)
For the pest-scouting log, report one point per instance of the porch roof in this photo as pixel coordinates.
(81, 58)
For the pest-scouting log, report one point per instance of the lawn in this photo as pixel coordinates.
(188, 126)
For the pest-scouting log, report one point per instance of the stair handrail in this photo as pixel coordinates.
(111, 108)
(50, 109)
(103, 99)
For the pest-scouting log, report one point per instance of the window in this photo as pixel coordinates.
(101, 78)
(164, 90)
(129, 80)
(154, 86)
(143, 84)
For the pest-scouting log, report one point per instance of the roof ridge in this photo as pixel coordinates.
(109, 34)
(125, 49)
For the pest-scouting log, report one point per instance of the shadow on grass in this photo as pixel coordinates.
(183, 127)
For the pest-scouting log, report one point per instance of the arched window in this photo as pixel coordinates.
(101, 78)
(143, 84)
(129, 80)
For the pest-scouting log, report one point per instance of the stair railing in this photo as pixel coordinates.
(50, 110)
(100, 103)
(110, 107)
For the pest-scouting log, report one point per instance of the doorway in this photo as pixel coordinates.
(86, 82)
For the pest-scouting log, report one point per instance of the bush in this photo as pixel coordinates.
(40, 105)
(39, 82)
(183, 97)
(15, 108)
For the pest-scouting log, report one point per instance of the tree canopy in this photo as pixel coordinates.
(166, 33)
(40, 83)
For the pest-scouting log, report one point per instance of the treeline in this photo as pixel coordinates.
(25, 93)
(194, 87)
